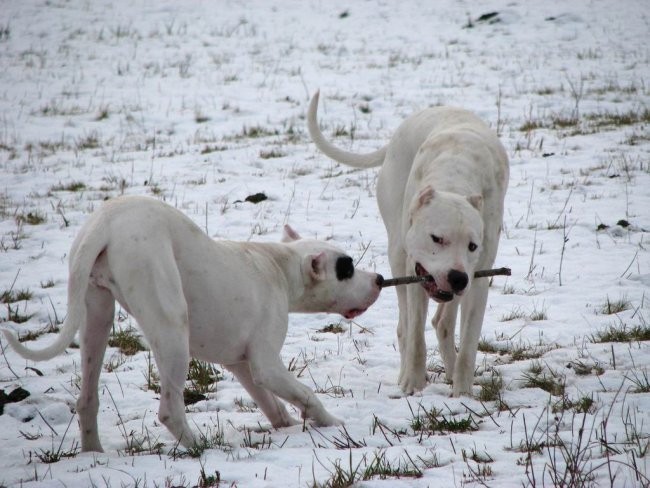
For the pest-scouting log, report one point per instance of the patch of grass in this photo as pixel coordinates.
(381, 468)
(611, 307)
(11, 296)
(256, 131)
(48, 283)
(559, 121)
(340, 131)
(271, 153)
(88, 141)
(491, 388)
(508, 289)
(584, 369)
(14, 315)
(48, 456)
(515, 313)
(536, 315)
(531, 124)
(203, 376)
(583, 405)
(155, 189)
(434, 421)
(127, 341)
(640, 379)
(210, 149)
(32, 218)
(364, 108)
(103, 114)
(521, 352)
(622, 333)
(486, 346)
(72, 186)
(200, 118)
(333, 328)
(549, 381)
(152, 377)
(618, 119)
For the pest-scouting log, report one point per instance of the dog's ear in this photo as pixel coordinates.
(476, 201)
(424, 197)
(315, 266)
(289, 235)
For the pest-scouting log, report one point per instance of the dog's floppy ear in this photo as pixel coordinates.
(315, 266)
(476, 201)
(289, 235)
(424, 197)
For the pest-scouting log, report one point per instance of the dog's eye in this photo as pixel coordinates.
(344, 268)
(436, 239)
(472, 247)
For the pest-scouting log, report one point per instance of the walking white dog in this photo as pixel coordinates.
(440, 192)
(218, 301)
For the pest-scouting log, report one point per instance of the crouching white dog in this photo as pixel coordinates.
(440, 192)
(218, 301)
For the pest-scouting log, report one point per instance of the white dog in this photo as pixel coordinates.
(440, 192)
(218, 301)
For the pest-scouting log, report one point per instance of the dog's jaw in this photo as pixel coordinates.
(355, 312)
(435, 293)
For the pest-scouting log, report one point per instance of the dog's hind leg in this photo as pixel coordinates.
(471, 315)
(270, 405)
(158, 304)
(444, 322)
(93, 337)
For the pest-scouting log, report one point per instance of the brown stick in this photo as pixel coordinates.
(407, 280)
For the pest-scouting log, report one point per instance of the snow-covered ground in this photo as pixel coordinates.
(201, 104)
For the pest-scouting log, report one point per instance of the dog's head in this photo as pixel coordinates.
(331, 282)
(444, 240)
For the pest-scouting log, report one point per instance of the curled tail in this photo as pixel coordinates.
(368, 160)
(90, 242)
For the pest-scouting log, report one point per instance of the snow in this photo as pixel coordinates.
(161, 98)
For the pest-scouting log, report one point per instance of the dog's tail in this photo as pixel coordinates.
(90, 243)
(368, 160)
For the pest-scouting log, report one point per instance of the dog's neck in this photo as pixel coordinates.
(286, 265)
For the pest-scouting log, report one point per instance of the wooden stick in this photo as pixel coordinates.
(407, 280)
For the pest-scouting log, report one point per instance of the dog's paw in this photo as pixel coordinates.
(461, 388)
(286, 421)
(327, 420)
(412, 383)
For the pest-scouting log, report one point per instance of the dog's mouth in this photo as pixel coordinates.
(431, 287)
(354, 312)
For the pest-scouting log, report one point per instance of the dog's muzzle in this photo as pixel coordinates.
(379, 281)
(431, 287)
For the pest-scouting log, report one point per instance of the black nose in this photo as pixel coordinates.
(379, 280)
(458, 280)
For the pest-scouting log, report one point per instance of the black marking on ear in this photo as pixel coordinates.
(344, 268)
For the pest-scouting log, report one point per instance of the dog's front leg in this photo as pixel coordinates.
(397, 258)
(268, 372)
(270, 405)
(414, 377)
(444, 322)
(471, 315)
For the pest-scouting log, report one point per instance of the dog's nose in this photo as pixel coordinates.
(458, 280)
(379, 280)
